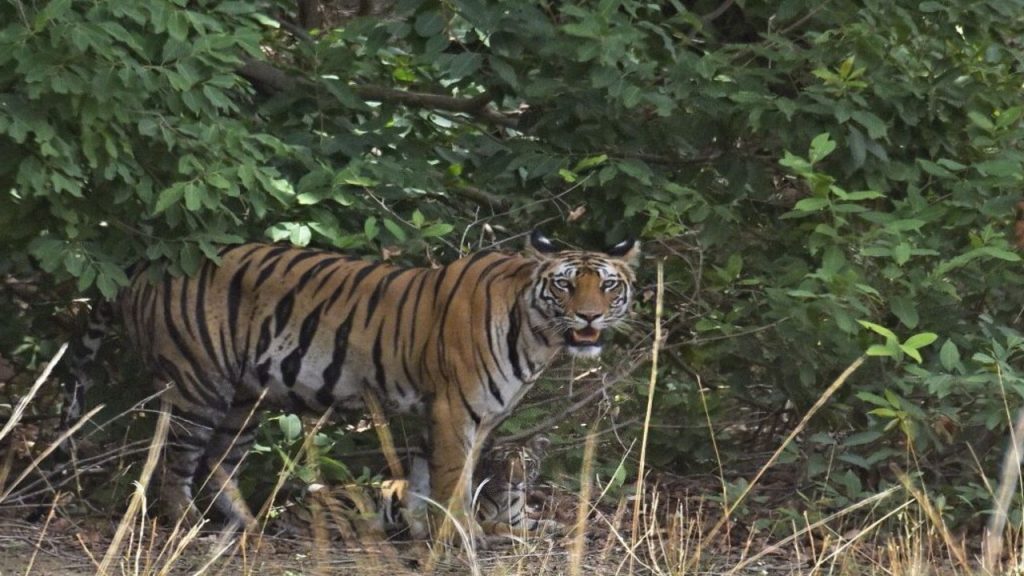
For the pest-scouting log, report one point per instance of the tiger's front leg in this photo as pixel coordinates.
(455, 447)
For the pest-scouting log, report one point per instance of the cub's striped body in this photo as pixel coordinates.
(307, 330)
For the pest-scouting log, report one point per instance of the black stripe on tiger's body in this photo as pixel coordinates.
(308, 329)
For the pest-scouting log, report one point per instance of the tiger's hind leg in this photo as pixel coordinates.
(189, 439)
(231, 441)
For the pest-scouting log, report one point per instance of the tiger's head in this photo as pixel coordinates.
(581, 294)
(515, 466)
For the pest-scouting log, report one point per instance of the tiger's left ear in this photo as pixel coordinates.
(540, 246)
(627, 251)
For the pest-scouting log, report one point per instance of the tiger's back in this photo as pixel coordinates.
(311, 328)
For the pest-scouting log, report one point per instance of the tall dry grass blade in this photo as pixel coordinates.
(49, 450)
(163, 423)
(837, 553)
(42, 533)
(579, 543)
(714, 447)
(954, 547)
(19, 410)
(658, 307)
(451, 523)
(383, 429)
(778, 546)
(992, 549)
(828, 393)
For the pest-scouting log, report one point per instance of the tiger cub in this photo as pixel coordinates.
(505, 476)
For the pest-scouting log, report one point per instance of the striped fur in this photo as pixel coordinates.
(308, 329)
(505, 476)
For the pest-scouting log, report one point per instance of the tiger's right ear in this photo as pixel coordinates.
(540, 443)
(540, 246)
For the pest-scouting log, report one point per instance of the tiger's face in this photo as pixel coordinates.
(515, 467)
(582, 294)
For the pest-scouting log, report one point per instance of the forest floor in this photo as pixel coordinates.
(75, 543)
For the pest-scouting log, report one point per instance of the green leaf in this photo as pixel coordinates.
(190, 258)
(437, 230)
(590, 162)
(861, 438)
(980, 120)
(912, 352)
(193, 197)
(463, 65)
(429, 23)
(821, 147)
(394, 229)
(169, 196)
(291, 426)
(873, 124)
(1001, 168)
(108, 287)
(177, 26)
(918, 341)
(370, 228)
(873, 398)
(905, 309)
(892, 398)
(901, 253)
(880, 350)
(878, 329)
(863, 195)
(949, 356)
(814, 204)
(300, 235)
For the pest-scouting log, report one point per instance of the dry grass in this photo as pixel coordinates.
(896, 532)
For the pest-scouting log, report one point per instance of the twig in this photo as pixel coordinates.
(138, 501)
(60, 440)
(658, 307)
(24, 402)
(42, 533)
(579, 543)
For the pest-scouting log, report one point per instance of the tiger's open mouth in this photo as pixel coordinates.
(585, 337)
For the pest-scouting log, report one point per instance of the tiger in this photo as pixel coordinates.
(505, 476)
(307, 330)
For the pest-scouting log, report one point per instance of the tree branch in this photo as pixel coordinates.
(272, 80)
(482, 197)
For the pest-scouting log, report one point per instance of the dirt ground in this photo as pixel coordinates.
(72, 551)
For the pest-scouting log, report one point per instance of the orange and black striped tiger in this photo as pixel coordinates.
(309, 329)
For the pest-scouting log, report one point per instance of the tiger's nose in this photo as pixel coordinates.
(588, 318)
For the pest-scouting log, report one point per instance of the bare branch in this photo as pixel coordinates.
(267, 78)
(482, 197)
(270, 79)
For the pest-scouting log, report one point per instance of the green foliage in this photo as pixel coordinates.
(807, 171)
